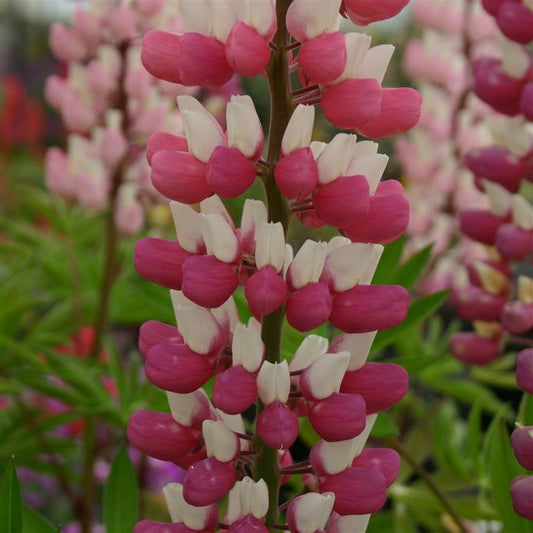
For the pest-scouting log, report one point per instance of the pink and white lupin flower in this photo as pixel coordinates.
(336, 183)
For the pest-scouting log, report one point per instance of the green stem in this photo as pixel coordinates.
(266, 465)
(428, 480)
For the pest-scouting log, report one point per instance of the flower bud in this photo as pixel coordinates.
(234, 390)
(161, 55)
(384, 460)
(154, 332)
(524, 370)
(473, 349)
(265, 291)
(323, 59)
(161, 140)
(247, 52)
(363, 12)
(208, 481)
(309, 307)
(245, 131)
(296, 174)
(522, 496)
(277, 426)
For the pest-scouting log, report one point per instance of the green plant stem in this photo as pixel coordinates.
(428, 480)
(88, 481)
(266, 464)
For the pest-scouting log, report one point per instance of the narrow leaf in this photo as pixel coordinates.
(389, 261)
(33, 522)
(121, 495)
(10, 501)
(408, 273)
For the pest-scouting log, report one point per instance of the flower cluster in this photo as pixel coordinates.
(453, 121)
(499, 298)
(110, 105)
(337, 183)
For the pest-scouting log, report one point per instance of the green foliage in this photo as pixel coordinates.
(10, 501)
(121, 495)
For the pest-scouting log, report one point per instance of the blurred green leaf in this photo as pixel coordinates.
(389, 261)
(475, 435)
(10, 501)
(502, 467)
(408, 273)
(121, 495)
(33, 522)
(384, 427)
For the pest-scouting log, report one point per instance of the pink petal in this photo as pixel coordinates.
(150, 526)
(474, 303)
(352, 103)
(229, 172)
(160, 261)
(517, 317)
(180, 176)
(385, 460)
(514, 242)
(495, 87)
(400, 111)
(176, 368)
(208, 481)
(161, 55)
(296, 174)
(248, 524)
(323, 59)
(382, 385)
(472, 349)
(247, 52)
(524, 370)
(480, 225)
(309, 307)
(363, 12)
(161, 140)
(367, 308)
(340, 417)
(66, 43)
(265, 291)
(203, 61)
(154, 332)
(57, 174)
(277, 426)
(522, 442)
(234, 390)
(515, 20)
(357, 490)
(387, 218)
(342, 202)
(522, 496)
(526, 101)
(160, 436)
(207, 281)
(497, 164)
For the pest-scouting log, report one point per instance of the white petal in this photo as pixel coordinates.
(336, 456)
(247, 347)
(254, 214)
(187, 226)
(259, 14)
(214, 206)
(203, 133)
(354, 523)
(326, 372)
(525, 289)
(254, 497)
(180, 511)
(317, 147)
(334, 159)
(361, 439)
(234, 511)
(244, 127)
(358, 345)
(236, 424)
(299, 129)
(356, 48)
(198, 327)
(227, 315)
(220, 442)
(183, 407)
(310, 348)
(173, 493)
(375, 63)
(515, 58)
(307, 20)
(222, 18)
(522, 213)
(372, 167)
(493, 280)
(273, 382)
(195, 16)
(337, 242)
(500, 199)
(289, 256)
(312, 511)
(308, 263)
(270, 246)
(219, 238)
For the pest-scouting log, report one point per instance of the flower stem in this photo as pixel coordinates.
(428, 480)
(266, 464)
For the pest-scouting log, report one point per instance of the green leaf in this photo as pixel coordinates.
(502, 467)
(409, 272)
(33, 522)
(418, 312)
(384, 427)
(474, 434)
(389, 261)
(10, 501)
(525, 411)
(121, 495)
